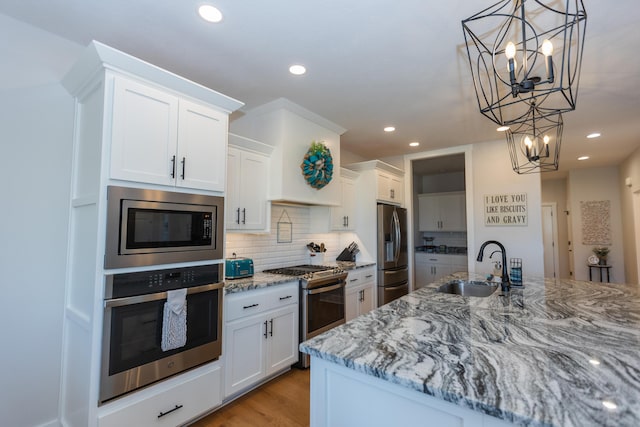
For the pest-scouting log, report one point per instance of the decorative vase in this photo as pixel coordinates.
(602, 261)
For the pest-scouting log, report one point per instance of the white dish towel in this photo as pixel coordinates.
(174, 320)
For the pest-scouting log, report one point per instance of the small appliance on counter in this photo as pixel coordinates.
(238, 268)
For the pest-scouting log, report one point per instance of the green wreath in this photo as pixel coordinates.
(317, 166)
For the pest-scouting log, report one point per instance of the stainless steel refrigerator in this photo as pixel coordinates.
(393, 273)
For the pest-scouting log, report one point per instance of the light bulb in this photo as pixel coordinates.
(546, 139)
(510, 51)
(547, 48)
(528, 142)
(210, 13)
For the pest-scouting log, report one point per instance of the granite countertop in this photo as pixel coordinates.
(258, 281)
(263, 280)
(548, 354)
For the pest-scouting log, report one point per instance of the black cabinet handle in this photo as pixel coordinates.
(287, 297)
(162, 414)
(250, 306)
(184, 161)
(173, 167)
(244, 215)
(265, 329)
(238, 216)
(271, 323)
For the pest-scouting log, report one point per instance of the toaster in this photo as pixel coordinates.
(237, 268)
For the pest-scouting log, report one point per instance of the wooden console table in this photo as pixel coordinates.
(599, 267)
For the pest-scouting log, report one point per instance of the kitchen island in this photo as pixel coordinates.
(556, 353)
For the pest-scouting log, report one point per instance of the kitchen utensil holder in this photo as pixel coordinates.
(316, 258)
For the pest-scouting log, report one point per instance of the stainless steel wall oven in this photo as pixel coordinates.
(151, 227)
(132, 355)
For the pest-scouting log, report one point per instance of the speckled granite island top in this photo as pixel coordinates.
(549, 354)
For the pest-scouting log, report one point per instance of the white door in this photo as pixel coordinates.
(549, 238)
(246, 342)
(202, 141)
(283, 336)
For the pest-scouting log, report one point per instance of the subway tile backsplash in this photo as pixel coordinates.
(267, 253)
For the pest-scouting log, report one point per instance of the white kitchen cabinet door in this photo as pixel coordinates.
(360, 293)
(352, 303)
(202, 141)
(343, 217)
(390, 188)
(283, 339)
(246, 202)
(144, 133)
(159, 138)
(452, 212)
(442, 212)
(246, 349)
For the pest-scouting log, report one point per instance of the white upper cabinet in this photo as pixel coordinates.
(390, 188)
(247, 208)
(386, 181)
(442, 211)
(159, 138)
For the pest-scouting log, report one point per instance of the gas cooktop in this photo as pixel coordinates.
(300, 270)
(312, 275)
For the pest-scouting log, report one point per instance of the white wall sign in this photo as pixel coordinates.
(505, 209)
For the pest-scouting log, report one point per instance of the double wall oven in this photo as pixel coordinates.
(322, 300)
(147, 229)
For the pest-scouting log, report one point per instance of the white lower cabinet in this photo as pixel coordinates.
(360, 292)
(195, 393)
(432, 267)
(260, 335)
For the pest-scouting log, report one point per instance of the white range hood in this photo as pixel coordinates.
(291, 129)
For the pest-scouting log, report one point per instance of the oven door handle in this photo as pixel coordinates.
(138, 299)
(325, 289)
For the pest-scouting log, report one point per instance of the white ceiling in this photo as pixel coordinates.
(371, 63)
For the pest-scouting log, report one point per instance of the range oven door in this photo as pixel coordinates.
(322, 308)
(132, 356)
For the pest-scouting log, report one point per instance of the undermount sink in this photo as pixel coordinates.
(468, 288)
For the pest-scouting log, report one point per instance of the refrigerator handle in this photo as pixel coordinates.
(397, 236)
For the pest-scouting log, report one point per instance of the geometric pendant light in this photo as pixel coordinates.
(526, 54)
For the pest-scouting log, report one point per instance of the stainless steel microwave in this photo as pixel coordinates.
(154, 227)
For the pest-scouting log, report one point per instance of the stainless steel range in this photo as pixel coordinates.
(322, 300)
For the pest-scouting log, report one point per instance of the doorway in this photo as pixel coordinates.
(550, 239)
(636, 225)
(438, 211)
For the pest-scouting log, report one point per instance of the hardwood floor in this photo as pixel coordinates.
(282, 402)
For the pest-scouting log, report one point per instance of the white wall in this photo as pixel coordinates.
(596, 184)
(36, 122)
(492, 174)
(36, 126)
(630, 207)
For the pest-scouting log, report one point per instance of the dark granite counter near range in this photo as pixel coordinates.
(554, 353)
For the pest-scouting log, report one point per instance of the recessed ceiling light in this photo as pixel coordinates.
(389, 129)
(297, 69)
(503, 128)
(414, 144)
(583, 158)
(209, 13)
(593, 135)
